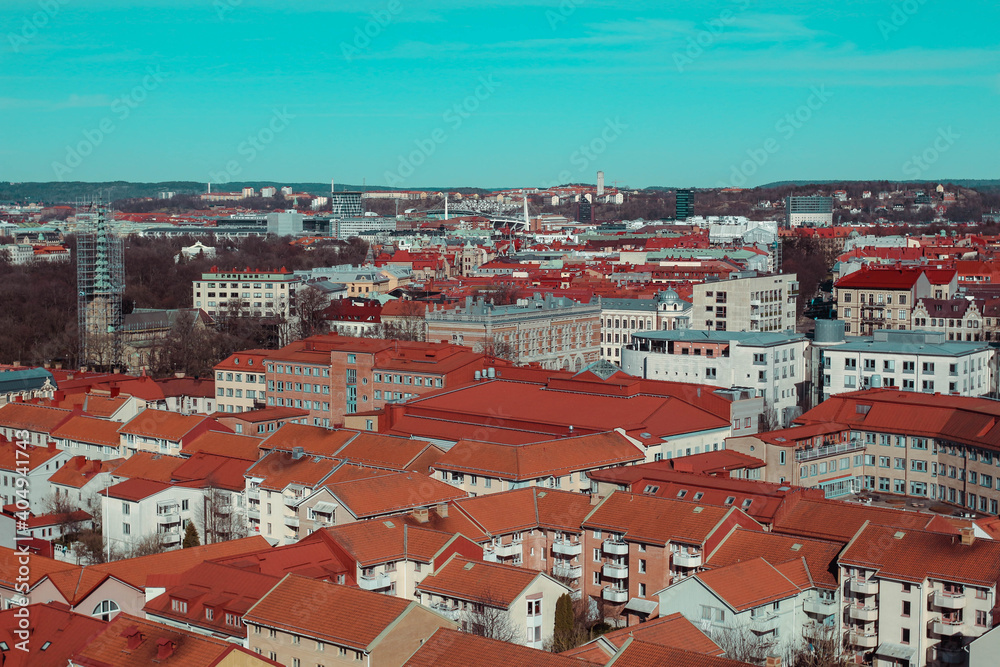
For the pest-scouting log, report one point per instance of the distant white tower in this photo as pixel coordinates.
(600, 183)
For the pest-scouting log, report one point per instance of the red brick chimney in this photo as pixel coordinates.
(164, 648)
(134, 637)
(773, 661)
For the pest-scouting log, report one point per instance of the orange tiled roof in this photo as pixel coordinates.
(279, 469)
(638, 653)
(914, 555)
(31, 417)
(329, 612)
(163, 424)
(477, 581)
(392, 493)
(748, 584)
(527, 508)
(232, 445)
(839, 521)
(740, 545)
(541, 459)
(40, 567)
(52, 624)
(90, 430)
(450, 648)
(673, 630)
(78, 471)
(146, 465)
(372, 542)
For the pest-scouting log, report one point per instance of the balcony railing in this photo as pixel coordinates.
(253, 494)
(864, 586)
(567, 548)
(615, 571)
(567, 571)
(449, 612)
(373, 582)
(507, 550)
(947, 627)
(292, 501)
(615, 547)
(863, 613)
(764, 622)
(828, 450)
(168, 517)
(253, 514)
(687, 559)
(947, 600)
(170, 537)
(292, 521)
(820, 606)
(615, 594)
(863, 639)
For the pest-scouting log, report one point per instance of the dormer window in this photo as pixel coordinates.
(209, 614)
(180, 606)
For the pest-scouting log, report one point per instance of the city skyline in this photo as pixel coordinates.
(508, 94)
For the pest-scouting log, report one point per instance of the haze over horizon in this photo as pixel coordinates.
(506, 94)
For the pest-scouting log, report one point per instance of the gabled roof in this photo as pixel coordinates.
(382, 541)
(210, 586)
(79, 471)
(392, 493)
(40, 567)
(338, 614)
(673, 630)
(171, 426)
(54, 626)
(524, 509)
(741, 545)
(882, 278)
(654, 520)
(748, 584)
(146, 465)
(90, 430)
(29, 417)
(213, 470)
(232, 445)
(492, 584)
(13, 457)
(279, 469)
(541, 459)
(839, 521)
(310, 557)
(636, 653)
(914, 555)
(451, 648)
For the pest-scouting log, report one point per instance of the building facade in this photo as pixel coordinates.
(765, 303)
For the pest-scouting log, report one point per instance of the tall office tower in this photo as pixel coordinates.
(100, 278)
(600, 183)
(585, 212)
(809, 211)
(345, 204)
(685, 205)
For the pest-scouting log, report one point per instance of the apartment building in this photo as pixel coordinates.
(636, 545)
(927, 446)
(267, 294)
(764, 303)
(960, 319)
(137, 509)
(773, 365)
(162, 432)
(909, 360)
(883, 298)
(620, 318)
(96, 439)
(554, 332)
(490, 598)
(240, 381)
(917, 597)
(305, 622)
(31, 423)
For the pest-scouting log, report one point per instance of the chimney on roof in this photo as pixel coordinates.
(968, 536)
(442, 510)
(421, 514)
(298, 453)
(133, 636)
(164, 648)
(773, 661)
(115, 391)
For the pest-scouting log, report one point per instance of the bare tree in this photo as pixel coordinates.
(825, 649)
(769, 420)
(60, 506)
(496, 346)
(220, 517)
(742, 643)
(489, 618)
(310, 302)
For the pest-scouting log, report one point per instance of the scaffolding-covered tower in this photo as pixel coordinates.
(100, 280)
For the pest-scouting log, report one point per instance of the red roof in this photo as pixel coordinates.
(450, 648)
(89, 430)
(54, 626)
(748, 584)
(477, 581)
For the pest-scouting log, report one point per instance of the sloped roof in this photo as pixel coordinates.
(52, 624)
(839, 521)
(164, 424)
(392, 493)
(672, 630)
(638, 653)
(146, 465)
(477, 581)
(451, 648)
(741, 545)
(748, 584)
(373, 542)
(328, 612)
(30, 417)
(278, 469)
(523, 509)
(90, 430)
(232, 445)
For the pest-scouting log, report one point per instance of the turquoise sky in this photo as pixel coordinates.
(500, 93)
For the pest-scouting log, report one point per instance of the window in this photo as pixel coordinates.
(906, 608)
(105, 610)
(905, 637)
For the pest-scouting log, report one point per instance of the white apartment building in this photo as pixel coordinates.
(268, 294)
(772, 364)
(908, 360)
(917, 598)
(620, 318)
(765, 303)
(137, 508)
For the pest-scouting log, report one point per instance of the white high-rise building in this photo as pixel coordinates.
(600, 183)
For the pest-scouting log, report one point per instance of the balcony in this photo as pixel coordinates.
(507, 550)
(863, 613)
(567, 548)
(820, 607)
(615, 571)
(615, 594)
(373, 582)
(764, 622)
(814, 631)
(490, 556)
(253, 494)
(946, 600)
(947, 627)
(172, 537)
(863, 639)
(828, 450)
(615, 547)
(168, 517)
(292, 521)
(253, 514)
(687, 559)
(567, 571)
(292, 501)
(224, 509)
(449, 612)
(952, 655)
(864, 586)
